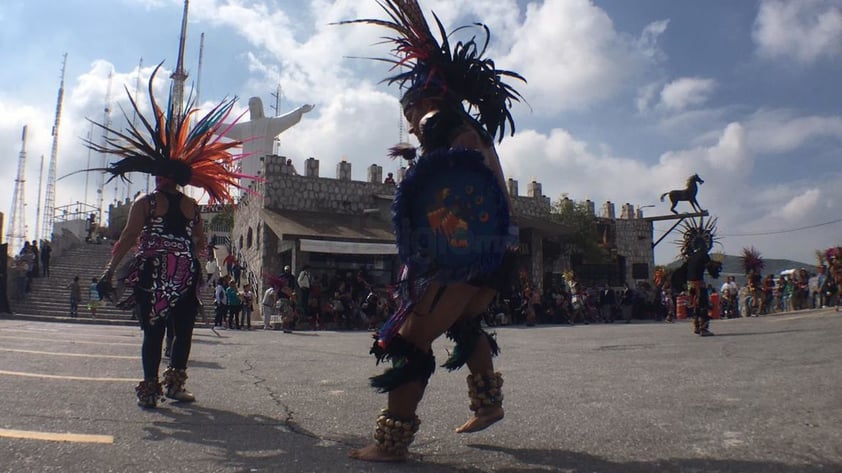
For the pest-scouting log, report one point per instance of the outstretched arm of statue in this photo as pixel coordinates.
(278, 124)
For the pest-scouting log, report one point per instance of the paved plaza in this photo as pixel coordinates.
(764, 396)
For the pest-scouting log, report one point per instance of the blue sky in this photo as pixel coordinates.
(626, 99)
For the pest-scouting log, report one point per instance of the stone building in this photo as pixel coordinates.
(336, 225)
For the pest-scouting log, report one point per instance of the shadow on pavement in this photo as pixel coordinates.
(260, 443)
(575, 462)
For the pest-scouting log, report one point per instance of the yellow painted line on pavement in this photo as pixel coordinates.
(82, 355)
(81, 342)
(71, 378)
(56, 437)
(74, 332)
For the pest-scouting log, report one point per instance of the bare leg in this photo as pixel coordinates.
(481, 362)
(421, 329)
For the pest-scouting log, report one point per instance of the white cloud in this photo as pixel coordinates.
(686, 92)
(572, 56)
(645, 96)
(801, 205)
(648, 41)
(782, 131)
(804, 30)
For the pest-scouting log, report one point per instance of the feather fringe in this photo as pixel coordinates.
(409, 363)
(466, 337)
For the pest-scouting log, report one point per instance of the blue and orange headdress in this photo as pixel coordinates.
(168, 146)
(432, 69)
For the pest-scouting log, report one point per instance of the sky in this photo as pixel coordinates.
(624, 100)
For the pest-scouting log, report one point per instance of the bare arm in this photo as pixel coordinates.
(469, 138)
(131, 232)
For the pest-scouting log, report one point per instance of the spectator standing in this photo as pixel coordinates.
(267, 305)
(75, 296)
(304, 280)
(211, 269)
(606, 304)
(236, 271)
(93, 297)
(285, 298)
(627, 302)
(235, 305)
(247, 297)
(221, 300)
(36, 268)
(28, 258)
(46, 254)
(229, 264)
(818, 297)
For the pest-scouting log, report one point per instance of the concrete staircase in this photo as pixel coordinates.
(50, 297)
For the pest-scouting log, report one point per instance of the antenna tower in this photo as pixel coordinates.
(38, 206)
(87, 174)
(17, 231)
(180, 75)
(277, 94)
(134, 111)
(199, 70)
(106, 120)
(50, 198)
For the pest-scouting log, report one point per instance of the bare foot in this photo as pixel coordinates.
(373, 453)
(483, 419)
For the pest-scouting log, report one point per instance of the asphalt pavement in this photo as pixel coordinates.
(764, 395)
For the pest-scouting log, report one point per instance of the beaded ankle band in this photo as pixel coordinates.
(393, 434)
(484, 389)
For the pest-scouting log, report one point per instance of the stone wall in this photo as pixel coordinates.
(634, 241)
(248, 221)
(286, 191)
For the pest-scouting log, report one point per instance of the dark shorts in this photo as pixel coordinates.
(499, 279)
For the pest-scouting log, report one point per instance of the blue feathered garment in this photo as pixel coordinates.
(451, 220)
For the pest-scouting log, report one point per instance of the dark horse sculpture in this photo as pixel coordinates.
(688, 194)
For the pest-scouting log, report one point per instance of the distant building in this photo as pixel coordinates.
(338, 225)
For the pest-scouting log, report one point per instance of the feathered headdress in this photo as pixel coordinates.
(752, 261)
(697, 236)
(167, 146)
(433, 69)
(834, 263)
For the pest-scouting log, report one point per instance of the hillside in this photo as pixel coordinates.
(732, 266)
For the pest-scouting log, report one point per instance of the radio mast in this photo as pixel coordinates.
(199, 70)
(17, 230)
(50, 198)
(38, 205)
(106, 121)
(179, 76)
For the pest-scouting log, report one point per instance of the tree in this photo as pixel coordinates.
(584, 237)
(224, 218)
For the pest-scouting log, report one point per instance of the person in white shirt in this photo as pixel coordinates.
(304, 291)
(212, 269)
(267, 304)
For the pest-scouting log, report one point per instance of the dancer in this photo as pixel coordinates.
(166, 226)
(696, 245)
(451, 218)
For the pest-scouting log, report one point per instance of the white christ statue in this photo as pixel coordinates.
(258, 134)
